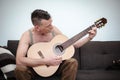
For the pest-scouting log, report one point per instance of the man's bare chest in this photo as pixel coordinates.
(43, 38)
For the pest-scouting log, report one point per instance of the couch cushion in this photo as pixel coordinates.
(7, 63)
(98, 75)
(99, 55)
(1, 76)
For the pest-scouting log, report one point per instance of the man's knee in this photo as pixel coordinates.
(72, 62)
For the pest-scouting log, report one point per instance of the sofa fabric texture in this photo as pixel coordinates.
(96, 60)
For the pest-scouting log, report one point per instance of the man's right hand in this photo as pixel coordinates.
(53, 61)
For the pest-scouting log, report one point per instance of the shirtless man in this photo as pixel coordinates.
(44, 31)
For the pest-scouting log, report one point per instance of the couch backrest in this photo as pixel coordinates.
(77, 56)
(12, 46)
(99, 55)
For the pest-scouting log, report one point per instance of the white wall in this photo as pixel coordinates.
(70, 16)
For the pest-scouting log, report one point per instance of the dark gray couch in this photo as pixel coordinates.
(95, 60)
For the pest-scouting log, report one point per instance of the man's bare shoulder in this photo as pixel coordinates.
(25, 38)
(25, 34)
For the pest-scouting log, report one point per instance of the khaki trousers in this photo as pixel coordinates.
(68, 69)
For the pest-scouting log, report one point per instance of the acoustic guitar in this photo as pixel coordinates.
(60, 45)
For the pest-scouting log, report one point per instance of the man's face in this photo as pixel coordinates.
(45, 26)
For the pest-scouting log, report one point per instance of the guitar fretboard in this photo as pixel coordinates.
(76, 37)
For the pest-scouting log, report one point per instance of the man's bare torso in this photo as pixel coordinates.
(42, 38)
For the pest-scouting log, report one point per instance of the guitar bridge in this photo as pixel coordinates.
(41, 55)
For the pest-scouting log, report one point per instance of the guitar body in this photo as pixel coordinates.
(49, 49)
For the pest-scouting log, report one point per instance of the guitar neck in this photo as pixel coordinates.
(76, 37)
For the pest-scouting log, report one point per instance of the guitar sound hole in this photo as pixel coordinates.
(59, 50)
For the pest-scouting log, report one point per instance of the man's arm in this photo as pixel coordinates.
(83, 41)
(21, 58)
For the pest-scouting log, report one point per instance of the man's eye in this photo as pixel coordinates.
(49, 25)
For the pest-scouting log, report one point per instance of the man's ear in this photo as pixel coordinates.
(36, 27)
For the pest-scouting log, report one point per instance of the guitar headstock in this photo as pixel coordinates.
(101, 22)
